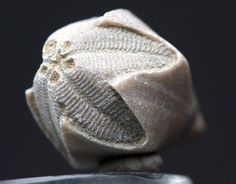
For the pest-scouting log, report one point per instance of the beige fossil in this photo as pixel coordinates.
(111, 94)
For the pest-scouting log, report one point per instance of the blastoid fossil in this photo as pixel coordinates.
(111, 93)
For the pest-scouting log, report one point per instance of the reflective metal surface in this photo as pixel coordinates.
(105, 178)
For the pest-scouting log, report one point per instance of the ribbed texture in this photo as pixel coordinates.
(46, 109)
(95, 107)
(109, 65)
(120, 39)
(80, 61)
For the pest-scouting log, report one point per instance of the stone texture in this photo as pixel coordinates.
(111, 94)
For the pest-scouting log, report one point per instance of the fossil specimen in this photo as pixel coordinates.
(111, 93)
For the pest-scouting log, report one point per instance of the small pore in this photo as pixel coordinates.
(69, 63)
(49, 47)
(54, 78)
(43, 69)
(67, 45)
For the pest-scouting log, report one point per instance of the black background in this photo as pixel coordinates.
(203, 31)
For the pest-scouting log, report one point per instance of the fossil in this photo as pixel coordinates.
(111, 93)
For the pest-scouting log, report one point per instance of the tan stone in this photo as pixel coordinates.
(111, 94)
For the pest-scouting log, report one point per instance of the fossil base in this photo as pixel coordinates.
(105, 178)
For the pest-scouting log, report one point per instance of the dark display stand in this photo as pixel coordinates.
(108, 178)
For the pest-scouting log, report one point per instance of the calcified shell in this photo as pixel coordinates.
(110, 86)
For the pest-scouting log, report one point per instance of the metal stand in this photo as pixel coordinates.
(105, 178)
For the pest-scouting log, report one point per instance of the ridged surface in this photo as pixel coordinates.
(111, 93)
(95, 107)
(73, 80)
